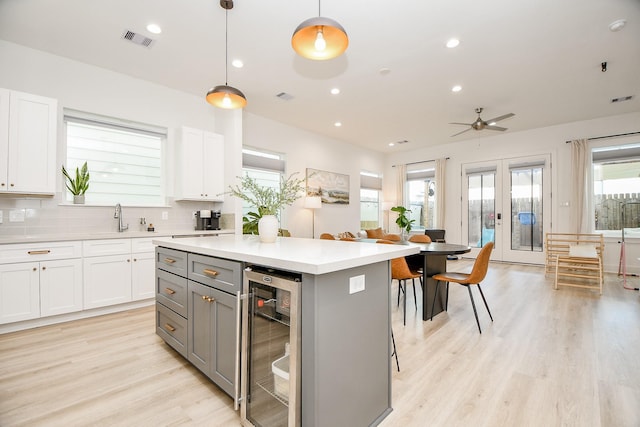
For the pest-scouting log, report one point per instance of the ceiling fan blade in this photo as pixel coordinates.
(490, 127)
(456, 134)
(497, 119)
(458, 123)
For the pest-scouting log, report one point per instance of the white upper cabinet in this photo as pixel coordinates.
(28, 131)
(200, 167)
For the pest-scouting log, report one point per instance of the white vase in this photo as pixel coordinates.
(268, 228)
(78, 199)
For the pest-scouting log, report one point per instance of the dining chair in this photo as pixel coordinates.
(348, 239)
(392, 237)
(477, 275)
(327, 236)
(400, 271)
(420, 238)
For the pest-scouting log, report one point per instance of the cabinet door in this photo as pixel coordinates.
(225, 340)
(213, 167)
(191, 164)
(199, 326)
(143, 272)
(4, 138)
(19, 292)
(32, 143)
(60, 286)
(107, 280)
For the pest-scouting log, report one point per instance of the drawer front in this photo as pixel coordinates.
(142, 245)
(172, 261)
(106, 247)
(26, 252)
(172, 328)
(171, 290)
(218, 273)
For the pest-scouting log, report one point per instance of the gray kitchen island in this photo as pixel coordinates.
(334, 303)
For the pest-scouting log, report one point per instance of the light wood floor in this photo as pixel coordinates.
(550, 358)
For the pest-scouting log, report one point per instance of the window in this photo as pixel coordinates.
(616, 187)
(421, 190)
(124, 159)
(266, 168)
(370, 187)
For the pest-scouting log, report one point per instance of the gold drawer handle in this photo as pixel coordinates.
(170, 291)
(210, 272)
(169, 328)
(208, 299)
(42, 252)
(169, 260)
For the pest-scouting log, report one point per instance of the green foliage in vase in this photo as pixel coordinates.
(403, 221)
(267, 200)
(80, 184)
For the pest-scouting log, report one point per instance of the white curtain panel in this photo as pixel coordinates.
(440, 186)
(401, 171)
(580, 166)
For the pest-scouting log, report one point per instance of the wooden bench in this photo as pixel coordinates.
(575, 259)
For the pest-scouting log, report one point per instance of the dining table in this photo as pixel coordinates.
(432, 259)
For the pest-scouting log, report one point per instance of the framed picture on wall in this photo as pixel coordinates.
(333, 188)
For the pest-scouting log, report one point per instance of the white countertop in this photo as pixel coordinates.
(34, 238)
(313, 256)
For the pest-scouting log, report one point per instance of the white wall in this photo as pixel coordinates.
(550, 140)
(307, 150)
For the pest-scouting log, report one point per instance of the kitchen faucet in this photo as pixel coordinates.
(118, 215)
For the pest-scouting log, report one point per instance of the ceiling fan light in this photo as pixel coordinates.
(319, 39)
(227, 97)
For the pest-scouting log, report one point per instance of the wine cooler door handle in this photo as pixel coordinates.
(236, 391)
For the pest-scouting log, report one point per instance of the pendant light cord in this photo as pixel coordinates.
(319, 14)
(226, 46)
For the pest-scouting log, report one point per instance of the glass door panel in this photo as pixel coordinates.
(526, 209)
(482, 208)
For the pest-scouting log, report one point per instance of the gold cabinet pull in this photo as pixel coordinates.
(169, 291)
(204, 297)
(210, 272)
(41, 252)
(169, 260)
(169, 328)
(44, 268)
(208, 299)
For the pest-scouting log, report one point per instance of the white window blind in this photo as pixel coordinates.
(124, 159)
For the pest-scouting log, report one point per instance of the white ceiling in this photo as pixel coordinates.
(539, 59)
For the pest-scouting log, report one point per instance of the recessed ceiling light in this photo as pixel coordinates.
(456, 88)
(391, 144)
(451, 43)
(154, 28)
(335, 91)
(384, 71)
(337, 124)
(237, 63)
(617, 25)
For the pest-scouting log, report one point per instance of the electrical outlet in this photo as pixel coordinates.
(356, 284)
(16, 215)
(165, 215)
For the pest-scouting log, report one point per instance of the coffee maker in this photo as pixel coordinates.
(207, 220)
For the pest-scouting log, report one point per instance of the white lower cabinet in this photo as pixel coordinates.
(43, 287)
(107, 280)
(143, 272)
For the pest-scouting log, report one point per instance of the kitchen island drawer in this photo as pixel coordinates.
(218, 273)
(172, 328)
(171, 290)
(172, 261)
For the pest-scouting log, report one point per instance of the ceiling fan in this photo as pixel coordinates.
(480, 124)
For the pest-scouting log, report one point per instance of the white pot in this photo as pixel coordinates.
(78, 199)
(268, 228)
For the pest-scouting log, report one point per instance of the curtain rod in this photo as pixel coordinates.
(609, 136)
(423, 161)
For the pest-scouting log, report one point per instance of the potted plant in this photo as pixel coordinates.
(268, 201)
(403, 221)
(79, 185)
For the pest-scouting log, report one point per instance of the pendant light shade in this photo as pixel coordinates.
(320, 38)
(228, 97)
(225, 96)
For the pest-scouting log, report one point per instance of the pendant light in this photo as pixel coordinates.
(319, 38)
(225, 96)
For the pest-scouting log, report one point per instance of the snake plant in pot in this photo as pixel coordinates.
(78, 185)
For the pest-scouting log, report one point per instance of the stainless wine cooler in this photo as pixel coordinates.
(270, 393)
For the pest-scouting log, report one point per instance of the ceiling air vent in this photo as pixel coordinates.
(137, 38)
(404, 141)
(285, 96)
(622, 99)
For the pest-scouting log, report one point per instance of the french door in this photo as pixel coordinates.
(508, 201)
